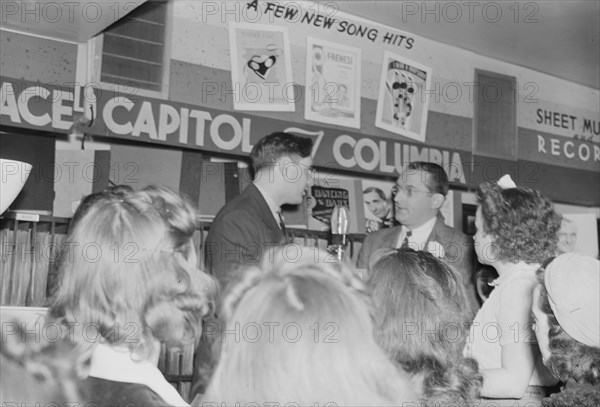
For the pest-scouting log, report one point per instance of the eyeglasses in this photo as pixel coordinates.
(309, 171)
(408, 191)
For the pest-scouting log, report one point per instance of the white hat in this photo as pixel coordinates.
(572, 281)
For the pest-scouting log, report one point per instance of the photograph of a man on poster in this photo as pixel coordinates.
(380, 209)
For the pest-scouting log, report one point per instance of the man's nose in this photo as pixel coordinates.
(399, 196)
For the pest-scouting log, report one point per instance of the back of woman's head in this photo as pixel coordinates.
(420, 305)
(422, 324)
(114, 192)
(570, 299)
(522, 221)
(125, 278)
(300, 331)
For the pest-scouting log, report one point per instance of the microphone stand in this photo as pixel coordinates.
(339, 231)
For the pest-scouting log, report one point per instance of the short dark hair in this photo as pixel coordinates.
(276, 145)
(438, 181)
(378, 191)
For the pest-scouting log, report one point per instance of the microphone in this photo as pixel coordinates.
(340, 223)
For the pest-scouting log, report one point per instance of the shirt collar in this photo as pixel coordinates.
(270, 202)
(515, 271)
(116, 364)
(421, 233)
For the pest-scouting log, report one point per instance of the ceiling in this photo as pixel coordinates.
(560, 38)
(73, 21)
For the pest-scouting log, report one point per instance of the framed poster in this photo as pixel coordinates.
(378, 204)
(403, 102)
(578, 233)
(261, 70)
(332, 83)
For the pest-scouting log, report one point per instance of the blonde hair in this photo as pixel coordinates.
(124, 276)
(300, 331)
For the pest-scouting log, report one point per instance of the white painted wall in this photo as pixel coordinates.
(200, 36)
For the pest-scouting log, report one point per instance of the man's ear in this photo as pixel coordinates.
(437, 200)
(281, 165)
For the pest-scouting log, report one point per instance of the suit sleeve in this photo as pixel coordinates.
(362, 260)
(461, 256)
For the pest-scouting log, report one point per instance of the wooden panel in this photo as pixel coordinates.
(495, 115)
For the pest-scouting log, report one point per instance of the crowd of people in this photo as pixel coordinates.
(410, 330)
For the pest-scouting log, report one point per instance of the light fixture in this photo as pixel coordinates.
(13, 175)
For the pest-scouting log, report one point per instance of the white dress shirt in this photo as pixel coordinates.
(419, 235)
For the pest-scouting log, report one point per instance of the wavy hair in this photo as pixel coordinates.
(422, 324)
(271, 148)
(315, 343)
(125, 274)
(522, 221)
(569, 359)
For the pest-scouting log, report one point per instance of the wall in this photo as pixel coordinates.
(37, 59)
(547, 149)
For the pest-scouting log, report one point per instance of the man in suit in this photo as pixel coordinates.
(251, 224)
(418, 195)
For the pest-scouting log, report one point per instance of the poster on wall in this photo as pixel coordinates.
(332, 83)
(378, 205)
(578, 233)
(403, 102)
(261, 70)
(329, 190)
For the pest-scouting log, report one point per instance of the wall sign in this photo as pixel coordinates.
(131, 117)
(581, 128)
(558, 150)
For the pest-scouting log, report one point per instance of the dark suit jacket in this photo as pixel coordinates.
(108, 393)
(458, 252)
(243, 230)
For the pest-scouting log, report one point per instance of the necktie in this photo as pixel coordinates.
(405, 244)
(282, 224)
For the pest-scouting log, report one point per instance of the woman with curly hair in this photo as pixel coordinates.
(422, 316)
(299, 331)
(516, 232)
(128, 283)
(566, 309)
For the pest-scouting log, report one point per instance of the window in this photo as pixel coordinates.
(134, 50)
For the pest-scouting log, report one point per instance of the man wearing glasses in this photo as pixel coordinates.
(418, 195)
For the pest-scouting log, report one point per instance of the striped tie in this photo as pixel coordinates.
(282, 224)
(405, 244)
